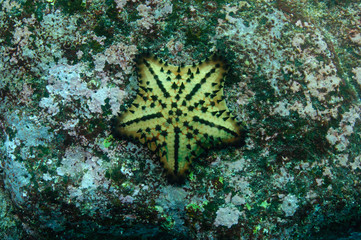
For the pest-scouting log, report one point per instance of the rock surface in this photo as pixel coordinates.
(68, 68)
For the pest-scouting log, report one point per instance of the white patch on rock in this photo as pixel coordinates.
(227, 217)
(289, 205)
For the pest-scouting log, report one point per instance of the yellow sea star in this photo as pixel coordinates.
(179, 111)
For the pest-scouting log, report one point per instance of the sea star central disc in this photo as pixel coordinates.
(179, 112)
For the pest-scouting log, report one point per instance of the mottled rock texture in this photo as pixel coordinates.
(68, 68)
